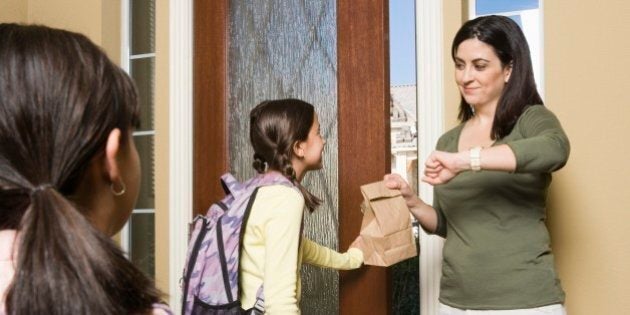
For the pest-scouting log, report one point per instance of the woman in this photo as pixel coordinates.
(69, 177)
(491, 175)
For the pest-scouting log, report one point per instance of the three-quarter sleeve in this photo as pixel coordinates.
(544, 147)
(321, 256)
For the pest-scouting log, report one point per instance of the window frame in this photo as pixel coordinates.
(125, 63)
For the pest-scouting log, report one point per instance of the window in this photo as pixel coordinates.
(138, 58)
(404, 136)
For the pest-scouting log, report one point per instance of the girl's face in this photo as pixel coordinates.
(479, 73)
(311, 149)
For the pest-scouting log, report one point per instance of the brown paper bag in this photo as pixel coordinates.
(386, 229)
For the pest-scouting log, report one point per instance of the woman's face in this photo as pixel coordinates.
(479, 73)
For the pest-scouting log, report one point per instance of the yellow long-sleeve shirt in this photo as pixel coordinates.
(272, 253)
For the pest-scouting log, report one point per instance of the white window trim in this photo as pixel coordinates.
(180, 135)
(430, 95)
(180, 141)
(125, 65)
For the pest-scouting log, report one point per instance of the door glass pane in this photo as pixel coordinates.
(142, 72)
(404, 138)
(142, 244)
(146, 197)
(142, 26)
(281, 49)
(139, 235)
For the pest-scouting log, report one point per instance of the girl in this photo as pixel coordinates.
(286, 139)
(69, 177)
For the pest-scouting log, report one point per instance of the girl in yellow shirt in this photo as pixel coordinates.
(285, 135)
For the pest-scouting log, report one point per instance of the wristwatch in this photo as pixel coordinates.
(475, 159)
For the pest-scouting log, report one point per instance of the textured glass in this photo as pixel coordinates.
(146, 197)
(142, 72)
(281, 49)
(142, 26)
(142, 241)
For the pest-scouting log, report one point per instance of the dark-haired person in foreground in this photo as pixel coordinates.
(69, 178)
(491, 174)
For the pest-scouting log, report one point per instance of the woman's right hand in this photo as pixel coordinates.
(425, 214)
(395, 181)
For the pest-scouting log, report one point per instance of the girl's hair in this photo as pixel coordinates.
(275, 126)
(60, 97)
(510, 45)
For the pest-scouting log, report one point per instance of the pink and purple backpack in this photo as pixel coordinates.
(211, 273)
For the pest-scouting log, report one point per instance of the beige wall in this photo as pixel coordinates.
(587, 57)
(97, 19)
(162, 146)
(13, 11)
(78, 16)
(453, 16)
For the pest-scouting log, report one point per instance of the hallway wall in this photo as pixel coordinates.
(587, 57)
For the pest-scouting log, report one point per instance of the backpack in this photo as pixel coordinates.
(211, 273)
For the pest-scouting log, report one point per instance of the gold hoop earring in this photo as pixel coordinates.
(122, 190)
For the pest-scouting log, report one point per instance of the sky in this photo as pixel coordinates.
(402, 42)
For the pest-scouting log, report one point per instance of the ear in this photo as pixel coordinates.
(298, 149)
(112, 149)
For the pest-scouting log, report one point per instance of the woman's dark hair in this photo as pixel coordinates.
(60, 97)
(275, 126)
(510, 45)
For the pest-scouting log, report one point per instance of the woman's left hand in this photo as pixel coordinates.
(441, 167)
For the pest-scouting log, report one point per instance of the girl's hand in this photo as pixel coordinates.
(394, 181)
(441, 167)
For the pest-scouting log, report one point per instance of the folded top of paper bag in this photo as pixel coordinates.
(389, 207)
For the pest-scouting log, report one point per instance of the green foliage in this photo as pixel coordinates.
(406, 287)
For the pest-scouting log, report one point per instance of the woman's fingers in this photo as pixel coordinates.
(393, 182)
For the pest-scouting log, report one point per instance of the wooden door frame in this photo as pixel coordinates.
(364, 131)
(210, 113)
(364, 138)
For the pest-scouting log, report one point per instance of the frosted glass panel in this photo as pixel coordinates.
(281, 49)
(142, 241)
(142, 26)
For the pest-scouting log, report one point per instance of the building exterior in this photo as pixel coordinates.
(404, 132)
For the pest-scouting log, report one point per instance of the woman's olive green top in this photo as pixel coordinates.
(497, 253)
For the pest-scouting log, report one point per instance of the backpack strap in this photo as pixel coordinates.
(230, 184)
(259, 306)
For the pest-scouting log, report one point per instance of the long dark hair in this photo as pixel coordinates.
(510, 45)
(60, 97)
(275, 126)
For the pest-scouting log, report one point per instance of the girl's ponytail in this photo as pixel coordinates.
(65, 266)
